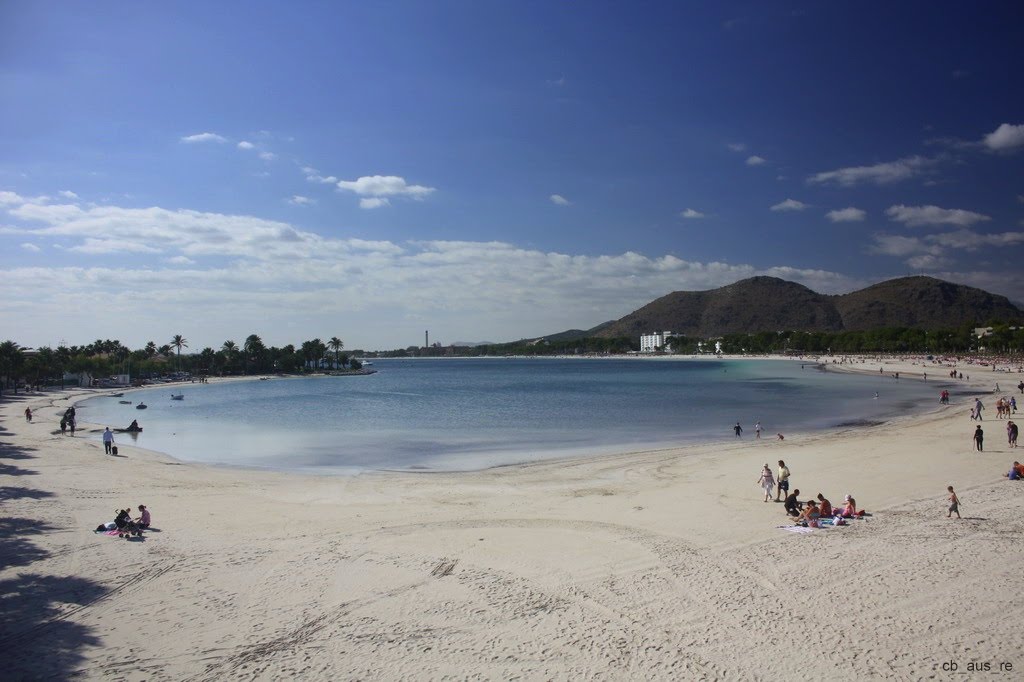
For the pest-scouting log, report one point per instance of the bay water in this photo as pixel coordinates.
(467, 414)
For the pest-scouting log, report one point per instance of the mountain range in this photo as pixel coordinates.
(770, 304)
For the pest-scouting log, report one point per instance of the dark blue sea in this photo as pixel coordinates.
(465, 414)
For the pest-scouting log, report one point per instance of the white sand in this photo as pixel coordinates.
(650, 565)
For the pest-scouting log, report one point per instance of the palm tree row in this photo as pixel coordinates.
(47, 366)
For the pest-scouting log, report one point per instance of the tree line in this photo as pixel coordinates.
(103, 358)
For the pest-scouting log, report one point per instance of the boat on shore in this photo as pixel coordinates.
(141, 406)
(180, 396)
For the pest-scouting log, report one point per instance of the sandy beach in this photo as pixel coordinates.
(649, 565)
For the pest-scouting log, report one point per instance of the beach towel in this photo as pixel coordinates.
(796, 529)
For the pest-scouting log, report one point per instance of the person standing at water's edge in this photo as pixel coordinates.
(757, 430)
(108, 440)
(28, 414)
(979, 439)
(738, 429)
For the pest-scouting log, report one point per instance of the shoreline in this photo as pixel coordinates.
(653, 564)
(550, 454)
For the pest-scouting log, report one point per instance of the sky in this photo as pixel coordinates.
(485, 170)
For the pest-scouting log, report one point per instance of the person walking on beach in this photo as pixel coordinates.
(783, 480)
(767, 481)
(71, 425)
(63, 426)
(108, 440)
(954, 503)
(757, 431)
(1011, 434)
(28, 414)
(978, 407)
(738, 429)
(979, 439)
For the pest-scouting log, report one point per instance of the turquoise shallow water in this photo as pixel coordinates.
(471, 414)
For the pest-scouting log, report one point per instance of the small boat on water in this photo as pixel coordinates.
(125, 402)
(116, 395)
(180, 396)
(140, 406)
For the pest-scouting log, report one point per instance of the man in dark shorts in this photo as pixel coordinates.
(783, 480)
(979, 439)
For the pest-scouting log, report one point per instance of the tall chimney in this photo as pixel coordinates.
(426, 339)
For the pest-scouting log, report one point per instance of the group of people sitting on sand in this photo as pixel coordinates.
(125, 525)
(811, 512)
(1016, 472)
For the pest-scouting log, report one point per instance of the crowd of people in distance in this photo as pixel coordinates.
(68, 421)
(811, 512)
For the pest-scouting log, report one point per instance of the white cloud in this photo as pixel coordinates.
(789, 205)
(915, 216)
(559, 200)
(245, 144)
(928, 262)
(328, 180)
(965, 240)
(309, 281)
(299, 200)
(558, 82)
(105, 246)
(691, 213)
(67, 194)
(268, 156)
(31, 247)
(846, 215)
(384, 186)
(898, 245)
(1005, 137)
(879, 174)
(755, 161)
(736, 146)
(373, 202)
(204, 137)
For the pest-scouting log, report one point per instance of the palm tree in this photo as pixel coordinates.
(230, 349)
(254, 348)
(179, 342)
(336, 345)
(150, 349)
(11, 359)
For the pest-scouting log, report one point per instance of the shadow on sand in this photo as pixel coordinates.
(37, 638)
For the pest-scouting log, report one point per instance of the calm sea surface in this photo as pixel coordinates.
(475, 413)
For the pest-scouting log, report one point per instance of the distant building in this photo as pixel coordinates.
(656, 342)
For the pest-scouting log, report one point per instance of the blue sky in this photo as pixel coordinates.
(486, 170)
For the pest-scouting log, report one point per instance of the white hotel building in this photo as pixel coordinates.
(658, 341)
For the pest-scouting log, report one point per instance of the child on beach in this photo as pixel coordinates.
(954, 503)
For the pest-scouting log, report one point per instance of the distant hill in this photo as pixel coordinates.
(574, 334)
(772, 304)
(921, 302)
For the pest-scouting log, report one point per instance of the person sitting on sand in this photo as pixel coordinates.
(793, 505)
(810, 514)
(134, 426)
(144, 518)
(826, 506)
(849, 507)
